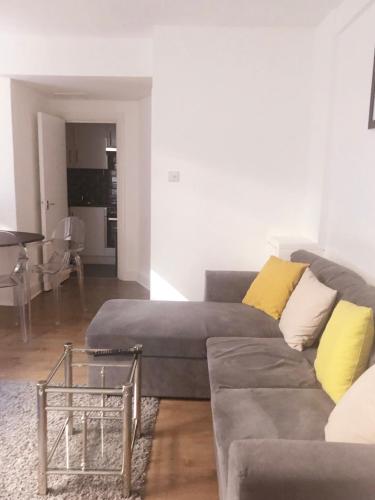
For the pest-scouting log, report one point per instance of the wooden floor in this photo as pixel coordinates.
(182, 462)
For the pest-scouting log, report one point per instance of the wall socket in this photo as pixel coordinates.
(173, 176)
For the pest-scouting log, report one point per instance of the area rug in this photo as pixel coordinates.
(18, 451)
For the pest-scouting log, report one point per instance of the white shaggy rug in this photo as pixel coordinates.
(18, 450)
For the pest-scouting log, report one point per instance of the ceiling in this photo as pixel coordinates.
(116, 18)
(108, 88)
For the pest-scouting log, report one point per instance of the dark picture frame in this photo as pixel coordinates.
(371, 118)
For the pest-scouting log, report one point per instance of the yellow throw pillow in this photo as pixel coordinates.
(273, 286)
(344, 348)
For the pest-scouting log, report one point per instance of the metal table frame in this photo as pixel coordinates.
(129, 413)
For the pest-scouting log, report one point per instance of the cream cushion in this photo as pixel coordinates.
(306, 311)
(353, 418)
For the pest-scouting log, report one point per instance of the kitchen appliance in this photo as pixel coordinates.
(111, 227)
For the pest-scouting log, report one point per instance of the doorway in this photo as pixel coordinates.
(132, 120)
(91, 156)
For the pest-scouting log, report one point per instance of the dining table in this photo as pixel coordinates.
(23, 238)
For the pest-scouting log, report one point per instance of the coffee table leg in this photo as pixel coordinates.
(127, 392)
(42, 438)
(68, 383)
(102, 378)
(137, 392)
(84, 441)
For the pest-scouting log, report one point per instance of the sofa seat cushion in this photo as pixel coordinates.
(297, 414)
(246, 362)
(174, 328)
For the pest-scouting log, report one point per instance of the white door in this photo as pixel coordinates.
(53, 174)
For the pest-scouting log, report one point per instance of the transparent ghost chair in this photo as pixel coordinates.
(61, 255)
(18, 280)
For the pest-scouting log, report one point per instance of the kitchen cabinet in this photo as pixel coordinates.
(86, 144)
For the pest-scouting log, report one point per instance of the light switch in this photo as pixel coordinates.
(173, 176)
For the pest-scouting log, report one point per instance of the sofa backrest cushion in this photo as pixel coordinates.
(349, 285)
(227, 286)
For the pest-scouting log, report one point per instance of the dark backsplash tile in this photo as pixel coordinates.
(91, 187)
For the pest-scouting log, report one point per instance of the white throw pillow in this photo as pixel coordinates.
(306, 312)
(353, 418)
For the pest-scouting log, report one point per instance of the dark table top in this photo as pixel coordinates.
(7, 241)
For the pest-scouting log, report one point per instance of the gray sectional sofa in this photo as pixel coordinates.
(269, 411)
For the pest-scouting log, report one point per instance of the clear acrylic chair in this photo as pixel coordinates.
(62, 256)
(18, 279)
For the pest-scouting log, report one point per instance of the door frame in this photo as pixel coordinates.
(117, 175)
(119, 196)
(127, 235)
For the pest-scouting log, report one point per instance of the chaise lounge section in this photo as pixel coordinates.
(174, 334)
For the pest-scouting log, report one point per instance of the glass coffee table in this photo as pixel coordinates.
(81, 408)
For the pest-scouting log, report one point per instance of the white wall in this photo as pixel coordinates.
(26, 103)
(144, 192)
(347, 151)
(73, 56)
(230, 111)
(130, 138)
(19, 196)
(8, 213)
(233, 111)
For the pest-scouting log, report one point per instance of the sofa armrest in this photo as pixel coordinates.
(227, 286)
(264, 469)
